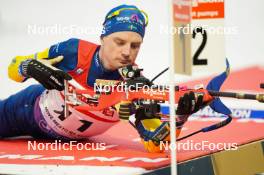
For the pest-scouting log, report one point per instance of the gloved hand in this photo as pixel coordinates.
(188, 104)
(151, 130)
(125, 109)
(42, 71)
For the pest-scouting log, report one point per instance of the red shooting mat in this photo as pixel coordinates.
(123, 144)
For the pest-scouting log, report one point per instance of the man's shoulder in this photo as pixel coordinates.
(67, 47)
(71, 47)
(87, 43)
(75, 42)
(71, 44)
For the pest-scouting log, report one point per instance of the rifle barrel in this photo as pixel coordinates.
(259, 97)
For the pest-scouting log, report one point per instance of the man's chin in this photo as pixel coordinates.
(124, 64)
(121, 65)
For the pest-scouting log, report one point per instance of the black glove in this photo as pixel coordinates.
(45, 75)
(189, 104)
(125, 109)
(143, 113)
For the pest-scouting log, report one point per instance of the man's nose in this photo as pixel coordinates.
(126, 51)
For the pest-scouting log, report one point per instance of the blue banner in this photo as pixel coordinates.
(236, 113)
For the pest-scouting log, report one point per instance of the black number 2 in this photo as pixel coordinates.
(196, 60)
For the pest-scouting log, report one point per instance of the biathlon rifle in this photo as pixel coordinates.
(92, 99)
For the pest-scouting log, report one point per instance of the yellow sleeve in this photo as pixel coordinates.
(13, 68)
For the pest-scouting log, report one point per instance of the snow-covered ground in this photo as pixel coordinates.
(67, 170)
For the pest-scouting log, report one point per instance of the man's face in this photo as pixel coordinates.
(119, 49)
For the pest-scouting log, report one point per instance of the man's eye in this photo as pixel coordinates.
(135, 46)
(120, 43)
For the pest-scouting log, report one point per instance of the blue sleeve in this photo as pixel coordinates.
(69, 50)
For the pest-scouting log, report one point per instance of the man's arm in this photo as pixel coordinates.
(68, 49)
(14, 71)
(49, 67)
(153, 131)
